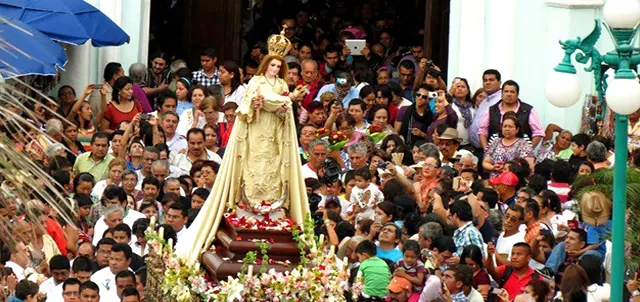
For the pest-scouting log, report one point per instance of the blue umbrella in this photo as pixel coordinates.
(24, 50)
(69, 21)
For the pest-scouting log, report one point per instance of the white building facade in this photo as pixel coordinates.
(520, 39)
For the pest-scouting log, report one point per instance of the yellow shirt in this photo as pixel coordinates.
(99, 170)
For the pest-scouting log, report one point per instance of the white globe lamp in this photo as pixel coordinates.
(623, 96)
(622, 13)
(562, 89)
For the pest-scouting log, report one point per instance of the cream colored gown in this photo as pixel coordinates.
(263, 154)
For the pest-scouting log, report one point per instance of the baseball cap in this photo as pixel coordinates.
(399, 284)
(506, 178)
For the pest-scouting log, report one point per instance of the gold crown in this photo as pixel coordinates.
(279, 45)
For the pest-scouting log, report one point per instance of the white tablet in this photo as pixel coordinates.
(356, 46)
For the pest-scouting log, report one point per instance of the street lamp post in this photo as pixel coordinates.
(622, 96)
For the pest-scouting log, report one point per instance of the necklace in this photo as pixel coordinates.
(274, 81)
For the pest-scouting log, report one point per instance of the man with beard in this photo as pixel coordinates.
(196, 151)
(343, 87)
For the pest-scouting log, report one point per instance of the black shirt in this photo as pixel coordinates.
(576, 161)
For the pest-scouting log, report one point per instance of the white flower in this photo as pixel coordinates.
(234, 289)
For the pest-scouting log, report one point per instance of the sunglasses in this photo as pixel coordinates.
(420, 95)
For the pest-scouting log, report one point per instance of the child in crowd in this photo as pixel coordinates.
(365, 196)
(374, 271)
(411, 268)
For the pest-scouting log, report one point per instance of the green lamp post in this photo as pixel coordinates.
(622, 94)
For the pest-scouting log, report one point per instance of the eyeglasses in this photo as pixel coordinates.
(511, 218)
(421, 96)
(71, 294)
(432, 166)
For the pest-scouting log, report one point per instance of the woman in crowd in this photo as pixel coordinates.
(129, 180)
(347, 124)
(478, 97)
(208, 174)
(464, 108)
(115, 168)
(82, 112)
(574, 278)
(586, 168)
(138, 74)
(560, 149)
(445, 115)
(384, 96)
(182, 94)
(66, 99)
(384, 75)
(367, 94)
(507, 147)
(123, 106)
(193, 117)
(70, 140)
(391, 143)
(379, 116)
(210, 107)
(232, 82)
(430, 171)
(472, 256)
(226, 127)
(211, 139)
(150, 209)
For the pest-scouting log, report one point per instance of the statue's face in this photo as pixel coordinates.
(274, 67)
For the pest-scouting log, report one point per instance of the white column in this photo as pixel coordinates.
(471, 62)
(145, 28)
(500, 32)
(113, 9)
(77, 72)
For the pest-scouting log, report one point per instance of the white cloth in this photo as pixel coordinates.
(405, 103)
(505, 244)
(463, 132)
(236, 96)
(475, 296)
(17, 269)
(177, 143)
(181, 233)
(50, 288)
(308, 173)
(597, 293)
(368, 205)
(186, 122)
(182, 161)
(135, 247)
(98, 189)
(101, 226)
(55, 295)
(106, 281)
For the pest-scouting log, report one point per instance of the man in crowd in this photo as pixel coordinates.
(357, 156)
(309, 78)
(59, 268)
(70, 290)
(90, 292)
(175, 141)
(516, 275)
(491, 83)
(149, 155)
(390, 235)
(448, 144)
(453, 278)
(318, 150)
(103, 251)
(112, 72)
(461, 218)
(505, 184)
(177, 218)
(209, 74)
(195, 151)
(530, 123)
(342, 87)
(119, 261)
(512, 234)
(97, 161)
(407, 72)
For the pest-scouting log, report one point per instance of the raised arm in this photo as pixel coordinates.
(78, 104)
(126, 137)
(103, 107)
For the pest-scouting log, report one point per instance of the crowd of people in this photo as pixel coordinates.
(466, 197)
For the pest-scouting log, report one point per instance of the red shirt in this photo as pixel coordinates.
(313, 89)
(115, 116)
(514, 285)
(393, 112)
(55, 231)
(225, 132)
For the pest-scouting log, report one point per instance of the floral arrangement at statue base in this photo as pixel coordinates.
(170, 278)
(320, 275)
(282, 224)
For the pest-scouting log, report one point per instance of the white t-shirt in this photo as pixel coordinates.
(53, 290)
(505, 244)
(308, 173)
(236, 96)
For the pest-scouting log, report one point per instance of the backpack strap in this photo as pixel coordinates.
(505, 276)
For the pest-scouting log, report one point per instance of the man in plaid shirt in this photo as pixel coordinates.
(208, 75)
(460, 217)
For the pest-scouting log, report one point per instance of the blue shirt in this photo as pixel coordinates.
(182, 106)
(598, 235)
(352, 94)
(393, 254)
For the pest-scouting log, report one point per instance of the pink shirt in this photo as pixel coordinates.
(534, 122)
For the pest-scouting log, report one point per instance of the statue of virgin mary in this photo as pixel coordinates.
(260, 174)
